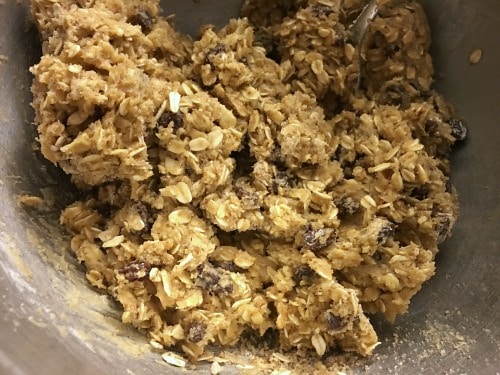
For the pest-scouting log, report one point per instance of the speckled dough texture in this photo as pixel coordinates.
(266, 179)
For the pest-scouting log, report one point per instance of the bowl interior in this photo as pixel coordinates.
(54, 323)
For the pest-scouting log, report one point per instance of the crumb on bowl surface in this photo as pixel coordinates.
(241, 184)
(476, 56)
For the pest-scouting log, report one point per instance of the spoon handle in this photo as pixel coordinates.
(358, 28)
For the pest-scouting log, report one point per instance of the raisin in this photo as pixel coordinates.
(458, 129)
(340, 41)
(219, 49)
(228, 266)
(208, 277)
(248, 198)
(347, 206)
(196, 332)
(318, 239)
(397, 95)
(430, 127)
(282, 180)
(319, 10)
(144, 19)
(278, 159)
(214, 282)
(334, 322)
(348, 172)
(341, 36)
(239, 191)
(339, 151)
(177, 120)
(385, 233)
(443, 226)
(391, 50)
(420, 192)
(142, 210)
(301, 273)
(135, 270)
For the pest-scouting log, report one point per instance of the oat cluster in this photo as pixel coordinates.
(265, 179)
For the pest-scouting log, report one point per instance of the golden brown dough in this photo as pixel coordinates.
(241, 183)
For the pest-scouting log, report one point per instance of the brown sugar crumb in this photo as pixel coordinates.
(243, 186)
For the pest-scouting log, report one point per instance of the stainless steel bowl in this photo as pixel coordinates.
(52, 322)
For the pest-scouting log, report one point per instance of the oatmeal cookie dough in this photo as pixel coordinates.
(100, 83)
(241, 184)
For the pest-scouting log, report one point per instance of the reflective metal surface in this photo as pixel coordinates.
(51, 322)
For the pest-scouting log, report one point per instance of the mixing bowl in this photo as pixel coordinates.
(52, 322)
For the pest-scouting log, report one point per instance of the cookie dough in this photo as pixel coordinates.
(242, 183)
